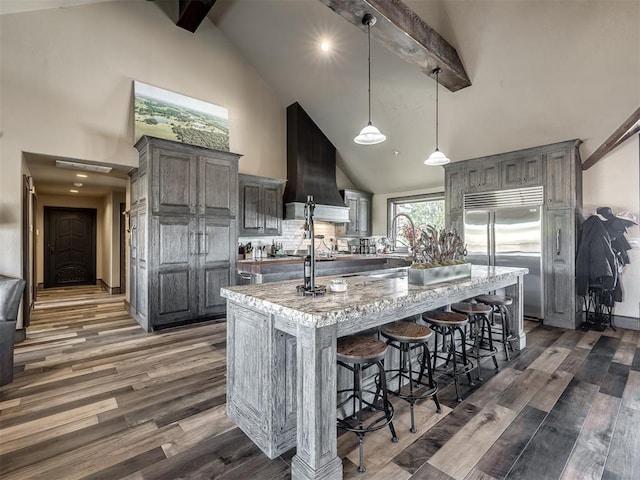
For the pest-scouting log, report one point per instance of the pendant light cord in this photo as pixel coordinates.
(369, 61)
(437, 72)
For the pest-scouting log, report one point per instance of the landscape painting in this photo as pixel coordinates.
(164, 114)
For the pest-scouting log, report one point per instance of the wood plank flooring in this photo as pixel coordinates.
(95, 397)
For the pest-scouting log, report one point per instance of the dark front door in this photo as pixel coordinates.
(69, 246)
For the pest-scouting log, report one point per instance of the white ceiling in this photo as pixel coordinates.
(51, 180)
(542, 71)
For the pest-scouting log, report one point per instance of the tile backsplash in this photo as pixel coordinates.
(292, 238)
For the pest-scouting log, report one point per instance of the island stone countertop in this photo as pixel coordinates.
(367, 294)
(282, 374)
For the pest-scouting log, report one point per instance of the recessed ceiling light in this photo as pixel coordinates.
(81, 175)
(73, 191)
(325, 46)
(77, 184)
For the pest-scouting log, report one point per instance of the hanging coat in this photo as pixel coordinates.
(596, 261)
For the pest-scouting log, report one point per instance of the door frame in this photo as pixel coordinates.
(47, 233)
(123, 250)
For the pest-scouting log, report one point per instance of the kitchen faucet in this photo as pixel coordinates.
(413, 234)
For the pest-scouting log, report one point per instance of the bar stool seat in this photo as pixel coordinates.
(478, 314)
(499, 304)
(406, 337)
(358, 353)
(447, 324)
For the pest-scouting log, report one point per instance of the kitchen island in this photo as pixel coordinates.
(281, 352)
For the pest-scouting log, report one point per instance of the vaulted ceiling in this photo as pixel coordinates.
(541, 71)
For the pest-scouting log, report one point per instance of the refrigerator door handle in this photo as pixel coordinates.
(558, 242)
(492, 239)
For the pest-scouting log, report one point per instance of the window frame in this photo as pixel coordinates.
(394, 201)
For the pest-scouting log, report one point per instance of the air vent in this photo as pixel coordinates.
(519, 197)
(82, 166)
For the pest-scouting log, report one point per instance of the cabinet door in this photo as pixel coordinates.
(174, 247)
(532, 171)
(133, 259)
(364, 217)
(251, 222)
(216, 262)
(218, 187)
(454, 188)
(454, 222)
(560, 181)
(482, 177)
(173, 182)
(271, 209)
(559, 266)
(521, 172)
(352, 227)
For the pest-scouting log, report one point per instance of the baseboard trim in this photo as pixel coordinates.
(630, 323)
(110, 290)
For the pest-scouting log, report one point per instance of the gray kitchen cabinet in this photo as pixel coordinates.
(260, 206)
(359, 204)
(454, 186)
(183, 236)
(557, 168)
(522, 172)
(482, 176)
(563, 180)
(561, 304)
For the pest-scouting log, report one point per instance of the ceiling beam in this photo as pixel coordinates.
(191, 13)
(408, 36)
(622, 133)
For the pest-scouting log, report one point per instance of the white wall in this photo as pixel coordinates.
(66, 80)
(615, 182)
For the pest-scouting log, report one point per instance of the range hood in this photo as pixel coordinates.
(311, 170)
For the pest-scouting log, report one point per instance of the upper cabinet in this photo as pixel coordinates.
(359, 204)
(563, 180)
(193, 181)
(482, 177)
(522, 172)
(260, 205)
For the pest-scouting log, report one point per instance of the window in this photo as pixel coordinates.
(423, 210)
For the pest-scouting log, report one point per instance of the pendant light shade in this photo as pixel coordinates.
(437, 157)
(369, 135)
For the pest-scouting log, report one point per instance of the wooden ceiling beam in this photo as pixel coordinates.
(408, 36)
(622, 133)
(191, 13)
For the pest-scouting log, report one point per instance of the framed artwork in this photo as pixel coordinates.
(165, 114)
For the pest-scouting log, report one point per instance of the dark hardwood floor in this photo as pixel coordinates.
(96, 397)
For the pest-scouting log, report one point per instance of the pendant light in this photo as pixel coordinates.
(369, 135)
(437, 157)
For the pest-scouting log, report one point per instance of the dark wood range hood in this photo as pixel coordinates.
(311, 170)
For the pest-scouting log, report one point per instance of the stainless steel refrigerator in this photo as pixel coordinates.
(505, 229)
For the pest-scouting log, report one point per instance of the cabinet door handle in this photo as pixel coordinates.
(201, 246)
(206, 243)
(558, 242)
(190, 243)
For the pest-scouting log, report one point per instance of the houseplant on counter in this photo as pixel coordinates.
(442, 253)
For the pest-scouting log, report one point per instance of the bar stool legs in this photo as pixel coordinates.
(357, 354)
(411, 385)
(499, 304)
(446, 324)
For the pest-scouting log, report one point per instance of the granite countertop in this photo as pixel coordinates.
(366, 295)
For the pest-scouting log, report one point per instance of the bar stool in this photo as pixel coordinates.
(447, 324)
(498, 304)
(478, 314)
(406, 337)
(358, 353)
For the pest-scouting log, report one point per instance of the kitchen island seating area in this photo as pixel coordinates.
(282, 373)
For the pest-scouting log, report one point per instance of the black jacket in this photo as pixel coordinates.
(596, 261)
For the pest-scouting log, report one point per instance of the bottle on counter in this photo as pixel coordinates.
(307, 270)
